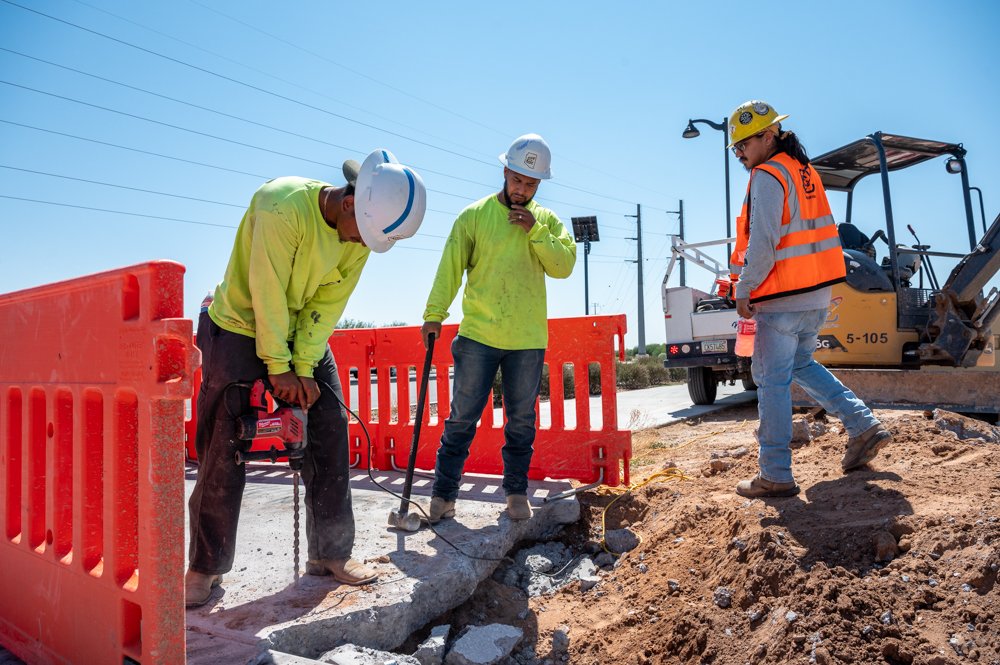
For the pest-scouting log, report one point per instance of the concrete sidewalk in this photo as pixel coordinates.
(260, 605)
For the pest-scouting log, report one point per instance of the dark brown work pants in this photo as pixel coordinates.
(214, 506)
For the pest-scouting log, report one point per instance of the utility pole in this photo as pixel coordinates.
(642, 306)
(680, 211)
(594, 305)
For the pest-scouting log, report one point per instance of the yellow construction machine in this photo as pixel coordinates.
(894, 334)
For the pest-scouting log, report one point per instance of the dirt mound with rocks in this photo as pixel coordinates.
(895, 563)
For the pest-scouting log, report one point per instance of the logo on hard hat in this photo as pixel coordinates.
(760, 108)
(746, 118)
(530, 158)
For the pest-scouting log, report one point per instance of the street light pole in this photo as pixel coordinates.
(691, 132)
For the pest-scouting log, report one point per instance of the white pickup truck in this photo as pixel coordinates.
(701, 325)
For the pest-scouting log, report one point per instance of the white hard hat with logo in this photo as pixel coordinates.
(389, 201)
(529, 155)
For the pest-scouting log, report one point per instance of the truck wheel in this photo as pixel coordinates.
(702, 385)
(748, 384)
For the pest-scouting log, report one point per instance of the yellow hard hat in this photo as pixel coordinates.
(749, 118)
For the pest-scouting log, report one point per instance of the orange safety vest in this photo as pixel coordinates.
(809, 255)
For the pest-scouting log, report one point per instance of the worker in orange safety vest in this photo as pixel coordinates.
(786, 259)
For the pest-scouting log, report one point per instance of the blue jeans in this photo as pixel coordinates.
(475, 367)
(783, 351)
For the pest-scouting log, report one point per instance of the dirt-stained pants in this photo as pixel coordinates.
(229, 358)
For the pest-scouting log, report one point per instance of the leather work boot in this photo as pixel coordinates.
(440, 510)
(198, 588)
(863, 448)
(518, 507)
(758, 487)
(345, 571)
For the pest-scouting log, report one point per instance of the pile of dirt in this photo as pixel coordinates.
(894, 563)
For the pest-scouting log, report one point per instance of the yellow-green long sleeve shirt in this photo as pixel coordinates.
(503, 304)
(289, 276)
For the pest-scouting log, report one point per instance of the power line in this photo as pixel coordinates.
(109, 184)
(160, 217)
(251, 86)
(345, 67)
(170, 125)
(289, 99)
(116, 212)
(240, 143)
(234, 61)
(416, 97)
(138, 150)
(217, 112)
(179, 159)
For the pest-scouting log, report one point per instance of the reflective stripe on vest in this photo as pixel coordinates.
(809, 254)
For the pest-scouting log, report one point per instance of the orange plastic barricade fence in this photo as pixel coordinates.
(388, 355)
(93, 376)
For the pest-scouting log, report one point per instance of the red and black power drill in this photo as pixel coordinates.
(286, 423)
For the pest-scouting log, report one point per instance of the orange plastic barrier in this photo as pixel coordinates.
(93, 376)
(585, 452)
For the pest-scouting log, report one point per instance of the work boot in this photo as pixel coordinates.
(345, 571)
(863, 448)
(758, 487)
(440, 509)
(518, 507)
(198, 588)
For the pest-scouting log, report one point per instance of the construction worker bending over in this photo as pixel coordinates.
(505, 244)
(298, 254)
(787, 257)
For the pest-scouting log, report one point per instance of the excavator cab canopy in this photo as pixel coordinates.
(842, 168)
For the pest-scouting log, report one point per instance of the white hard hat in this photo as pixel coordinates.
(529, 155)
(389, 201)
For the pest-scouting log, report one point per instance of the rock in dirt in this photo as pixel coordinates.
(965, 428)
(719, 465)
(544, 568)
(431, 650)
(484, 645)
(560, 639)
(801, 432)
(621, 540)
(885, 546)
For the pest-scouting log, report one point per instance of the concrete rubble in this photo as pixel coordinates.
(261, 606)
(484, 645)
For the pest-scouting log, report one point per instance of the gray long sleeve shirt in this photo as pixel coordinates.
(767, 200)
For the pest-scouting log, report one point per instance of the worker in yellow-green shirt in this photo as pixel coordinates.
(299, 252)
(504, 245)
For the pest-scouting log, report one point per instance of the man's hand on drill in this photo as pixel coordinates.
(292, 389)
(311, 390)
(286, 387)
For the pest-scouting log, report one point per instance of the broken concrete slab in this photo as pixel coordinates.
(260, 605)
(431, 650)
(350, 654)
(484, 645)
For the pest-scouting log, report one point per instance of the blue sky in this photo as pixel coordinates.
(199, 101)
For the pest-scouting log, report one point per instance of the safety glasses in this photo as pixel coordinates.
(741, 146)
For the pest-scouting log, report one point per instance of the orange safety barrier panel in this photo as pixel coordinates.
(93, 376)
(585, 452)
